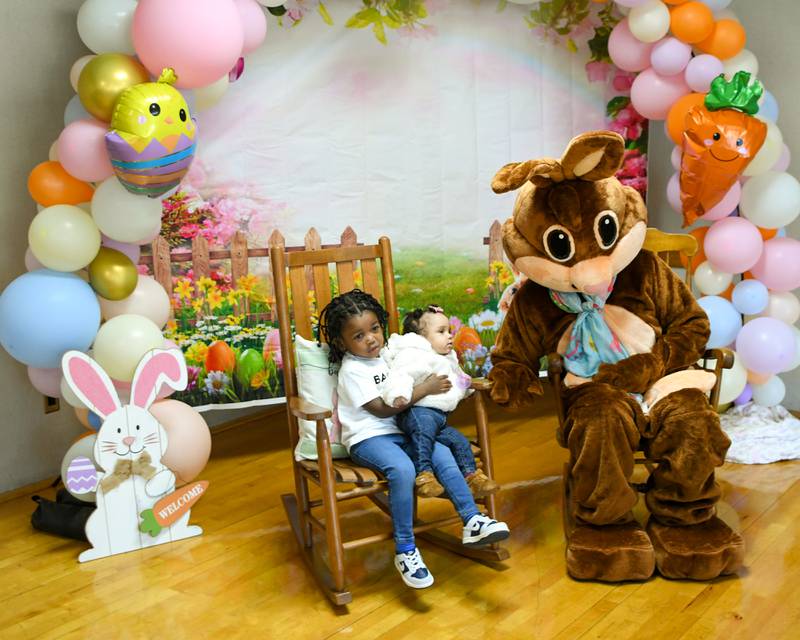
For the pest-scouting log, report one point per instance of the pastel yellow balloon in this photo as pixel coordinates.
(121, 343)
(208, 96)
(104, 78)
(112, 274)
(769, 152)
(64, 237)
(149, 299)
(77, 67)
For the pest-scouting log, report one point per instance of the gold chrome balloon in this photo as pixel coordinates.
(104, 78)
(112, 274)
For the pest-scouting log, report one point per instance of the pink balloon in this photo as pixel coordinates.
(254, 24)
(670, 56)
(779, 265)
(652, 95)
(189, 438)
(701, 70)
(675, 158)
(674, 193)
(31, 263)
(82, 150)
(766, 345)
(784, 161)
(200, 39)
(725, 207)
(626, 51)
(46, 381)
(133, 251)
(733, 245)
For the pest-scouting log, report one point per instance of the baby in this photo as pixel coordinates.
(424, 349)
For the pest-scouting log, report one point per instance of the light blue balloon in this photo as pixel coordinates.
(44, 314)
(781, 233)
(769, 107)
(94, 420)
(750, 297)
(75, 111)
(725, 321)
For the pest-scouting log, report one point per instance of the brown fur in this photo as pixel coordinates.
(604, 425)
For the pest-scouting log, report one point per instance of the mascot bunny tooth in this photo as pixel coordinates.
(629, 331)
(128, 449)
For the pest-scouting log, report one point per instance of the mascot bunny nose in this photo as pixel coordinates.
(594, 276)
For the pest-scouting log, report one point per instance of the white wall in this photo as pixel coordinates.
(772, 36)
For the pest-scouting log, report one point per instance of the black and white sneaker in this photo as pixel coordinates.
(413, 570)
(482, 530)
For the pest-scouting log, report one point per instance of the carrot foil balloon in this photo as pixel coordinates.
(719, 141)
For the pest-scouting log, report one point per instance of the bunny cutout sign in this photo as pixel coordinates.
(132, 480)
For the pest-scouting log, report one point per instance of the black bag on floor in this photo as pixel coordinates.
(66, 516)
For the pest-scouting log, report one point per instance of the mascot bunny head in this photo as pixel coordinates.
(575, 226)
(127, 430)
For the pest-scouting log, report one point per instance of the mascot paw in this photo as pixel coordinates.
(635, 374)
(612, 553)
(696, 552)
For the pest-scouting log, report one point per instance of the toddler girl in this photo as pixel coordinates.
(354, 326)
(426, 348)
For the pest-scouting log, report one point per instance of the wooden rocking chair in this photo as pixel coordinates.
(677, 250)
(341, 479)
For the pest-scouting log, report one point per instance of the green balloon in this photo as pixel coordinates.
(249, 364)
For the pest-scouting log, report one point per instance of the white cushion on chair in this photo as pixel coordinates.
(317, 386)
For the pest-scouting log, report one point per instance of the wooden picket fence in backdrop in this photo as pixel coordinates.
(495, 242)
(161, 259)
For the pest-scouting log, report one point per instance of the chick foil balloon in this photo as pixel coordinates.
(152, 139)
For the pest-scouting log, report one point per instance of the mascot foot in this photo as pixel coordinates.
(611, 553)
(696, 552)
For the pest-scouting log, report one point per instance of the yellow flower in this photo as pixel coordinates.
(258, 380)
(197, 305)
(232, 320)
(232, 297)
(206, 283)
(196, 354)
(184, 288)
(171, 326)
(247, 283)
(214, 299)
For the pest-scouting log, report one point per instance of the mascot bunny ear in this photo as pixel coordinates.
(90, 383)
(157, 367)
(592, 156)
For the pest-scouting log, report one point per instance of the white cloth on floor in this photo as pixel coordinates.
(761, 435)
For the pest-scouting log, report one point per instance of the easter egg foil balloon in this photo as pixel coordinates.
(152, 138)
(720, 139)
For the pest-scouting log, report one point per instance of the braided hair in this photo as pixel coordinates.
(336, 314)
(412, 323)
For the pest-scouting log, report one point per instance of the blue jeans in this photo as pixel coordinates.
(425, 426)
(389, 455)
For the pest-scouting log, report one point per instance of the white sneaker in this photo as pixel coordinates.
(482, 530)
(413, 570)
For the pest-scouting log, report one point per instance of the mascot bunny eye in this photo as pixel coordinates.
(558, 243)
(606, 229)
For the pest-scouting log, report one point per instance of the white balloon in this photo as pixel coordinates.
(206, 97)
(123, 216)
(105, 26)
(68, 395)
(745, 60)
(770, 200)
(733, 380)
(770, 393)
(75, 71)
(649, 21)
(148, 299)
(52, 154)
(769, 153)
(75, 111)
(710, 281)
(783, 306)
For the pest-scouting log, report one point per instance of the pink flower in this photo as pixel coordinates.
(272, 348)
(623, 81)
(143, 269)
(455, 324)
(597, 71)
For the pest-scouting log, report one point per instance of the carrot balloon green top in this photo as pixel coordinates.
(719, 141)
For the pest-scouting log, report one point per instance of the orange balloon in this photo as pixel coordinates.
(728, 293)
(699, 257)
(220, 357)
(767, 234)
(726, 40)
(753, 377)
(691, 22)
(466, 338)
(676, 118)
(674, 1)
(748, 275)
(50, 184)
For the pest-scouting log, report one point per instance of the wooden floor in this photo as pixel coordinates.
(244, 578)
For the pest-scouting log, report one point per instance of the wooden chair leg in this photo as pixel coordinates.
(333, 531)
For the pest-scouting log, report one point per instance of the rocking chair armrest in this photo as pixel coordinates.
(724, 355)
(555, 366)
(481, 384)
(306, 411)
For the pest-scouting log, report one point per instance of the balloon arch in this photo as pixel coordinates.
(130, 135)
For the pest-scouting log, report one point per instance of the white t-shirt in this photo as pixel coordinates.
(360, 380)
